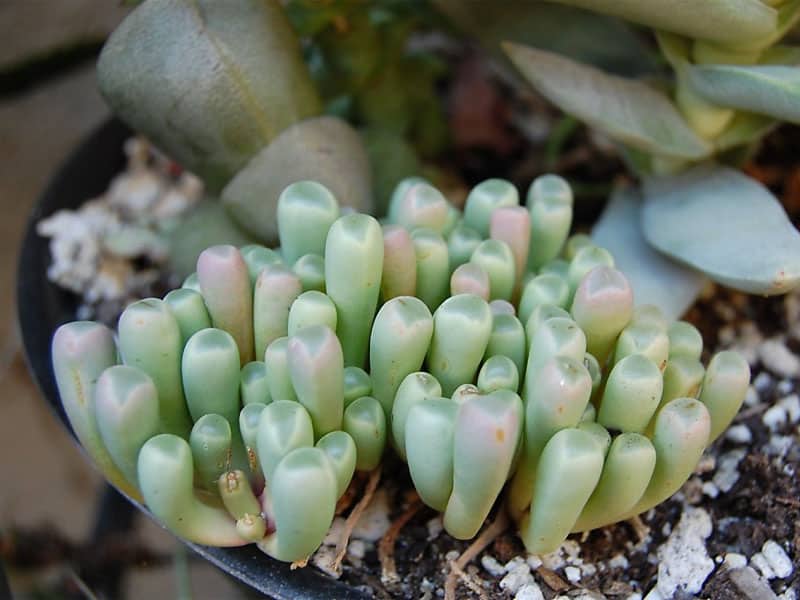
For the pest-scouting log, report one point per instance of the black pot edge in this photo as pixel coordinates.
(42, 307)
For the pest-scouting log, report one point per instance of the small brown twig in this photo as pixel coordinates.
(386, 545)
(487, 536)
(354, 516)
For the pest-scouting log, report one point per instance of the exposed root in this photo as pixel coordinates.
(349, 496)
(642, 530)
(353, 518)
(487, 536)
(299, 564)
(386, 546)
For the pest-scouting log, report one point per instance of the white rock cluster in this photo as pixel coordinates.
(93, 248)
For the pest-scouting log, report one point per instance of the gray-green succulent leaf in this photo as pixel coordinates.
(730, 227)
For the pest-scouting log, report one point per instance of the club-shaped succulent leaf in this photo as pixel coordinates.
(302, 497)
(498, 373)
(574, 243)
(632, 394)
(461, 243)
(495, 257)
(557, 336)
(626, 473)
(555, 399)
(306, 211)
(470, 278)
(150, 340)
(569, 469)
(276, 359)
(683, 377)
(602, 307)
(189, 310)
(508, 339)
(353, 263)
(429, 433)
(225, 284)
(342, 452)
(414, 388)
(399, 275)
(357, 383)
(684, 340)
(254, 384)
(256, 257)
(283, 426)
(211, 374)
(211, 443)
(585, 260)
(166, 473)
(365, 421)
(641, 337)
(483, 199)
(430, 251)
(461, 328)
(422, 205)
(401, 335)
(316, 367)
(549, 201)
(126, 410)
(81, 351)
(680, 435)
(309, 309)
(511, 224)
(540, 315)
(310, 270)
(487, 431)
(546, 288)
(276, 289)
(724, 388)
(249, 419)
(399, 193)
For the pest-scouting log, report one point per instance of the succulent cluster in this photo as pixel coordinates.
(485, 346)
(730, 78)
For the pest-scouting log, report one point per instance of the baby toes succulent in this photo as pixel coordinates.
(495, 354)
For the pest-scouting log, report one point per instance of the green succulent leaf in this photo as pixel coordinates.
(725, 224)
(324, 149)
(744, 129)
(209, 82)
(655, 279)
(772, 90)
(579, 34)
(626, 110)
(724, 21)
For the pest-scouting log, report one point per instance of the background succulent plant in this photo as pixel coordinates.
(730, 80)
(248, 398)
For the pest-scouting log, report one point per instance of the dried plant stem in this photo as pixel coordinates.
(386, 545)
(354, 516)
(487, 536)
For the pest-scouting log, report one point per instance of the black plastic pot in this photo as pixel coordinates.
(42, 307)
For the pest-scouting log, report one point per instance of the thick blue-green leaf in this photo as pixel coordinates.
(724, 21)
(626, 110)
(654, 278)
(209, 82)
(765, 89)
(723, 223)
(582, 35)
